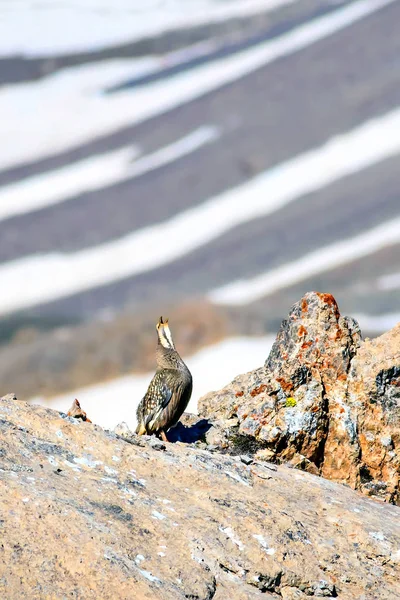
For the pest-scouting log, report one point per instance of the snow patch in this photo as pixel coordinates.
(212, 368)
(38, 279)
(43, 29)
(322, 260)
(31, 113)
(378, 323)
(95, 173)
(389, 282)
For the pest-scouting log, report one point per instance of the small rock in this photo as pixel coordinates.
(156, 444)
(122, 429)
(212, 448)
(247, 460)
(77, 413)
(303, 464)
(324, 589)
(261, 472)
(264, 455)
(10, 396)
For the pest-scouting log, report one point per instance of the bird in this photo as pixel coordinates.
(169, 391)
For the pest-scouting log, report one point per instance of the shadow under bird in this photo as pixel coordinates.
(169, 391)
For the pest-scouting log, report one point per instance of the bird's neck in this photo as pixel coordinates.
(168, 358)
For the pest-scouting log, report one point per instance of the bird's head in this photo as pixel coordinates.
(164, 334)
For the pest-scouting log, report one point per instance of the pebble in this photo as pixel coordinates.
(247, 460)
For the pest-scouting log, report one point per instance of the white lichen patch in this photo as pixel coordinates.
(197, 559)
(377, 535)
(139, 558)
(109, 480)
(25, 499)
(162, 554)
(116, 458)
(294, 420)
(149, 576)
(395, 556)
(264, 544)
(129, 491)
(59, 433)
(348, 424)
(53, 461)
(87, 461)
(231, 535)
(158, 515)
(386, 441)
(237, 478)
(71, 465)
(110, 471)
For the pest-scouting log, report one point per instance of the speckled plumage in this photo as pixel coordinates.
(169, 391)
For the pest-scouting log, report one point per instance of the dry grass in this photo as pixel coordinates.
(37, 363)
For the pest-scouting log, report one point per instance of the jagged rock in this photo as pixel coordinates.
(374, 401)
(86, 514)
(325, 400)
(77, 412)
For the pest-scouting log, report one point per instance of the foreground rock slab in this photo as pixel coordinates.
(86, 514)
(325, 400)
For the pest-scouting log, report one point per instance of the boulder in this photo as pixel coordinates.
(325, 400)
(86, 513)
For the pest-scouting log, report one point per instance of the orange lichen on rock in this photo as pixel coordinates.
(346, 420)
(258, 390)
(302, 331)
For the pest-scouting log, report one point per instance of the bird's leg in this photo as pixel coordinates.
(163, 436)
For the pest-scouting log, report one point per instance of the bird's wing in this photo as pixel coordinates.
(157, 396)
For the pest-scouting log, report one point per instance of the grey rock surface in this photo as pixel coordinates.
(87, 514)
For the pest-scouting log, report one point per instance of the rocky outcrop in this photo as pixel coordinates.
(325, 400)
(86, 513)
